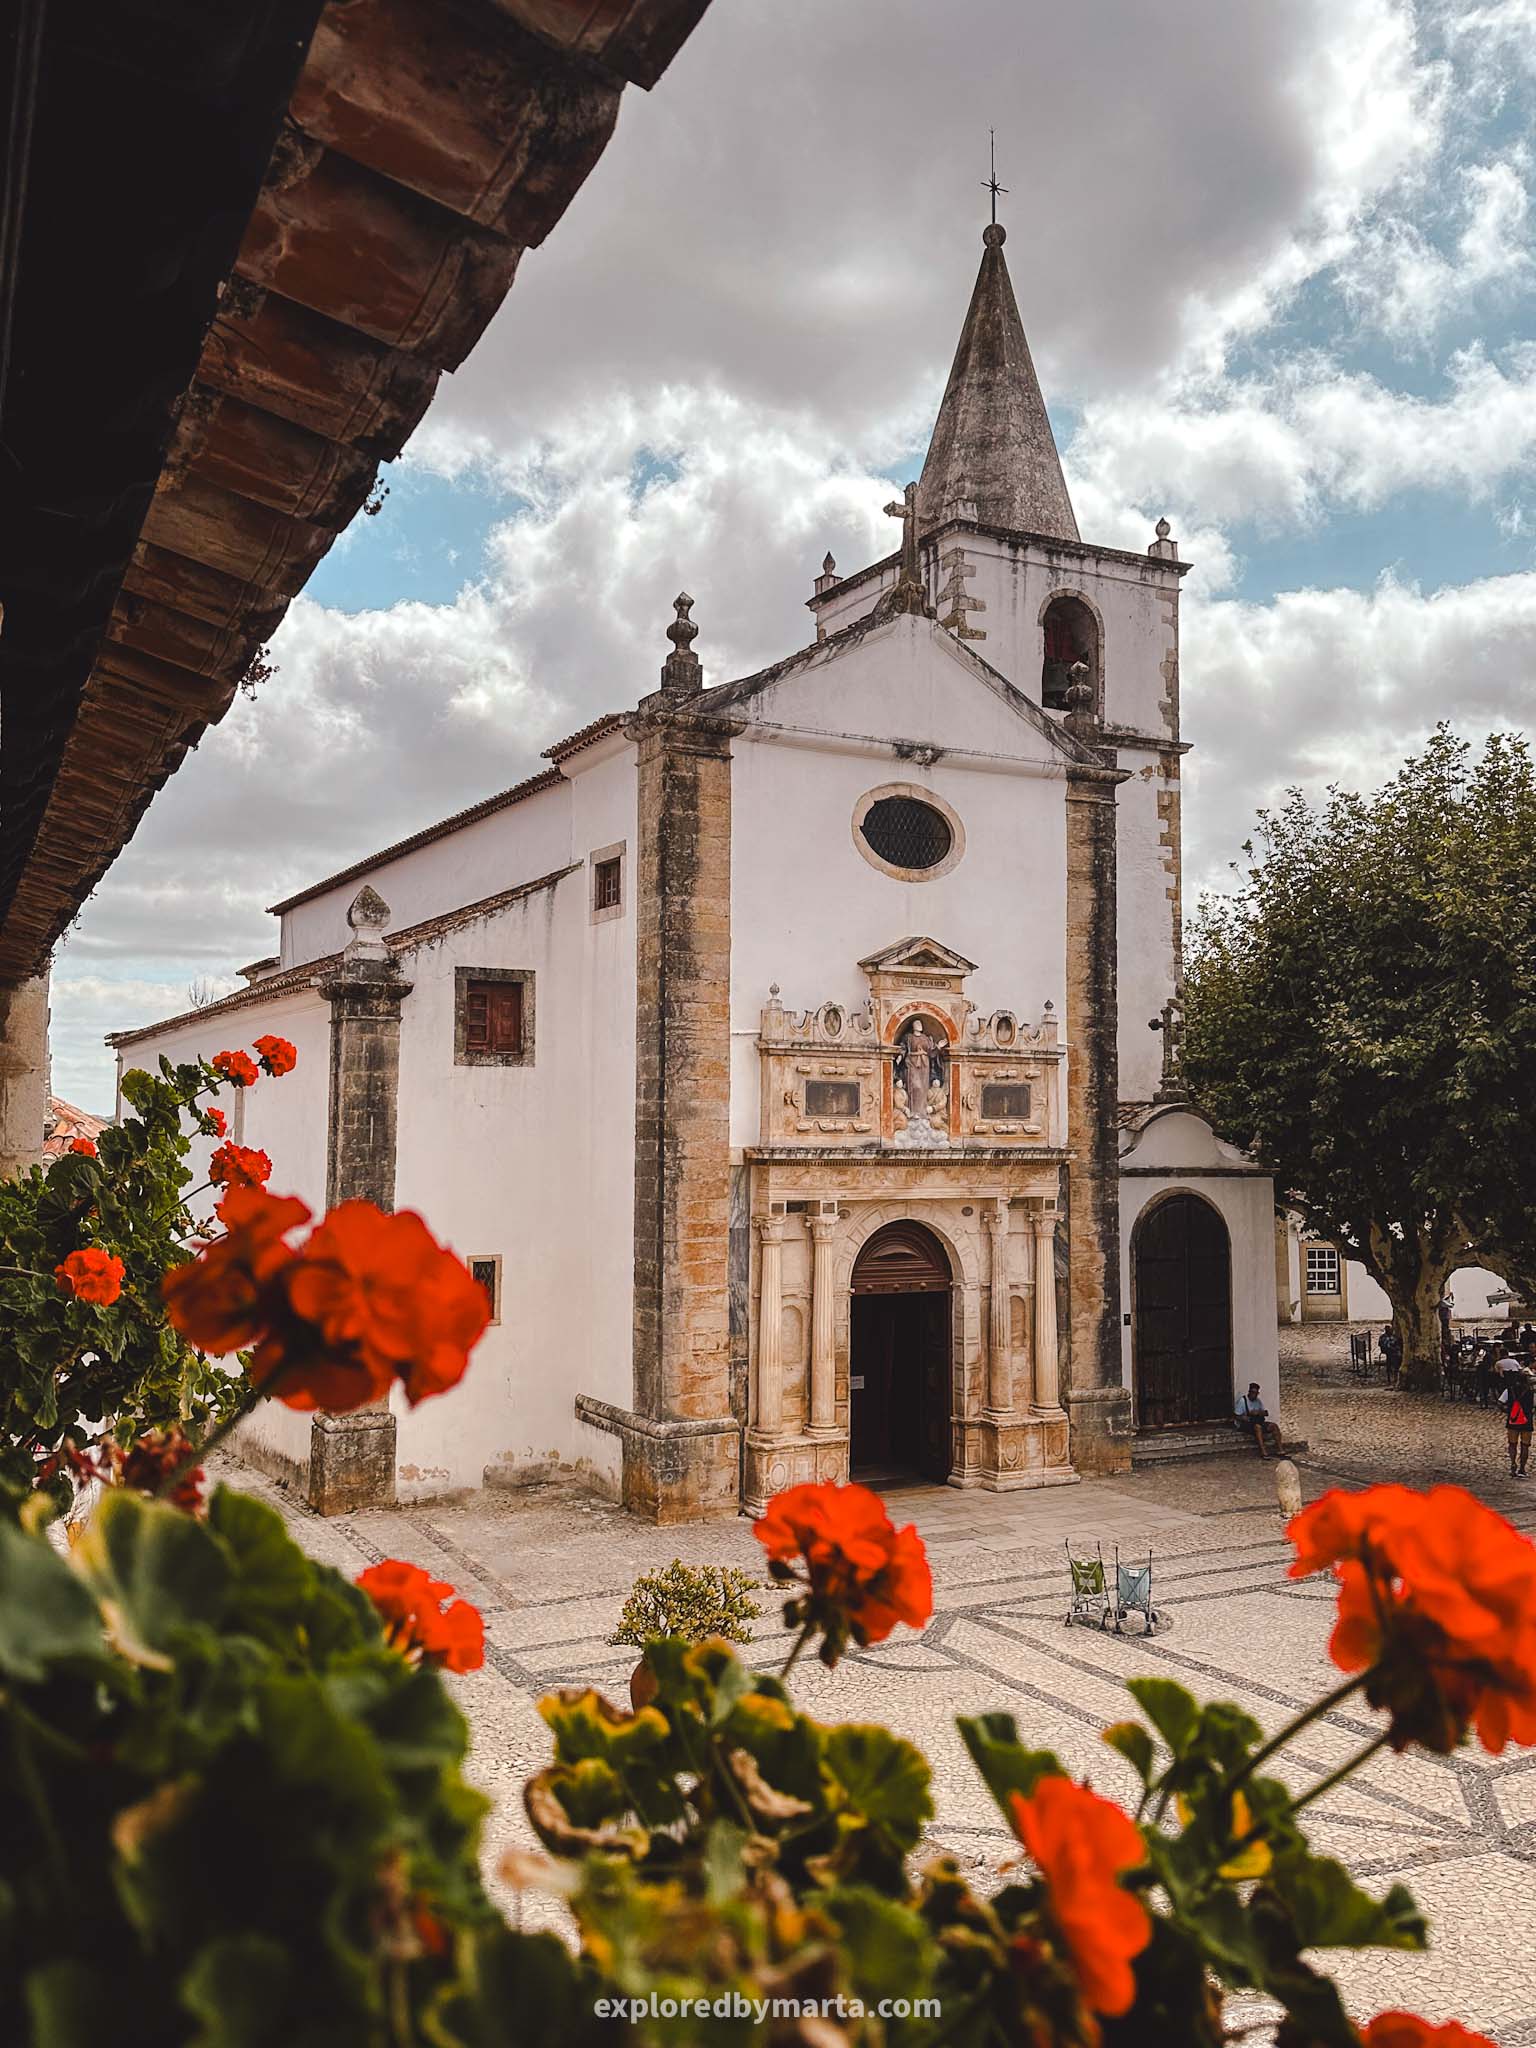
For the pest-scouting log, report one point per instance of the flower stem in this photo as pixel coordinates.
(1292, 1729)
(799, 1644)
(1345, 1770)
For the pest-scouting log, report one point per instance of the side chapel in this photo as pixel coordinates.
(779, 1056)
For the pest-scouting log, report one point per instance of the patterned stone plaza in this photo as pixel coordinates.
(549, 1569)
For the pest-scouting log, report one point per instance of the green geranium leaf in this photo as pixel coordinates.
(158, 1572)
(1329, 1910)
(272, 1579)
(1135, 1745)
(1173, 1712)
(69, 2002)
(585, 1724)
(888, 1950)
(785, 1745)
(238, 1989)
(515, 1987)
(1003, 1761)
(46, 1615)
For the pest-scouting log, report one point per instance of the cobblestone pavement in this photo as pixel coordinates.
(549, 1570)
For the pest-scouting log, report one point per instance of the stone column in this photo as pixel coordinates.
(352, 1457)
(823, 1354)
(1098, 1402)
(999, 1334)
(1047, 1357)
(23, 1074)
(681, 1441)
(769, 1418)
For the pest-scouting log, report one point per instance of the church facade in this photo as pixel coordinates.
(780, 1056)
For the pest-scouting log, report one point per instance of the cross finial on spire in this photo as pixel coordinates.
(909, 594)
(990, 184)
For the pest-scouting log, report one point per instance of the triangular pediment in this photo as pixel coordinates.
(917, 956)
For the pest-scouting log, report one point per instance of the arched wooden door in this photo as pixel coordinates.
(1181, 1277)
(899, 1360)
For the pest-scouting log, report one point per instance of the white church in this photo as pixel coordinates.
(779, 1057)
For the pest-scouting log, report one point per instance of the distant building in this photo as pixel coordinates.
(64, 1123)
(1316, 1281)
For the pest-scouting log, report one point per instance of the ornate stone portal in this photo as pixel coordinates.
(909, 1108)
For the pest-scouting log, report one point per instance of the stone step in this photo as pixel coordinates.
(1179, 1445)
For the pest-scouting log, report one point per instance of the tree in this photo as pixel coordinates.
(1361, 1014)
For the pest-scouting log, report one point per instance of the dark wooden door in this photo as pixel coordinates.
(899, 1372)
(1181, 1262)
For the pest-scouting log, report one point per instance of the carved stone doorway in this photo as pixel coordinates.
(900, 1357)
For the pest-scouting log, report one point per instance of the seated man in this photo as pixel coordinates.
(1251, 1416)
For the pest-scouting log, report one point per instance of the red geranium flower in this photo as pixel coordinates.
(213, 1122)
(410, 1605)
(862, 1574)
(1437, 1604)
(387, 1301)
(1082, 1843)
(367, 1299)
(236, 1067)
(84, 1145)
(277, 1055)
(224, 1299)
(90, 1275)
(239, 1166)
(151, 1459)
(1407, 2030)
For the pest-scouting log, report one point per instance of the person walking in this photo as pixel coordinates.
(1517, 1397)
(1391, 1354)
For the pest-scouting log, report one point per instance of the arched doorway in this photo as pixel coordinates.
(1181, 1280)
(899, 1356)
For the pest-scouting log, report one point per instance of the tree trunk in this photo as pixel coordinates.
(1416, 1316)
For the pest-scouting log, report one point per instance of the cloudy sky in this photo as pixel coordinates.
(1276, 266)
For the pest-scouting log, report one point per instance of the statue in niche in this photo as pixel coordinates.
(920, 1065)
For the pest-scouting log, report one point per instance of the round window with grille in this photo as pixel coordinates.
(907, 833)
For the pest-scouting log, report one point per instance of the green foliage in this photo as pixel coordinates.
(691, 1602)
(234, 1816)
(1361, 1013)
(72, 1372)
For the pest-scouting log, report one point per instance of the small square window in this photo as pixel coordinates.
(832, 1098)
(486, 1273)
(1322, 1269)
(607, 882)
(493, 1017)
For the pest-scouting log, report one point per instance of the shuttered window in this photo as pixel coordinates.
(493, 1017)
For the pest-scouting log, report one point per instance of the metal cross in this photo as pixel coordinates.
(990, 184)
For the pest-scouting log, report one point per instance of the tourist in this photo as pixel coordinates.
(1391, 1354)
(1250, 1415)
(1517, 1398)
(1482, 1367)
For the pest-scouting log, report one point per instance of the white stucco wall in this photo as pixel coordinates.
(807, 906)
(1185, 1157)
(526, 839)
(534, 1164)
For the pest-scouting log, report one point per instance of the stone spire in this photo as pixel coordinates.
(992, 445)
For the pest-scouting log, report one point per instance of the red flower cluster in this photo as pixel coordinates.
(1437, 1604)
(365, 1300)
(415, 1621)
(239, 1166)
(238, 1068)
(1407, 2030)
(1082, 1844)
(276, 1055)
(149, 1461)
(90, 1275)
(84, 1146)
(214, 1125)
(862, 1574)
